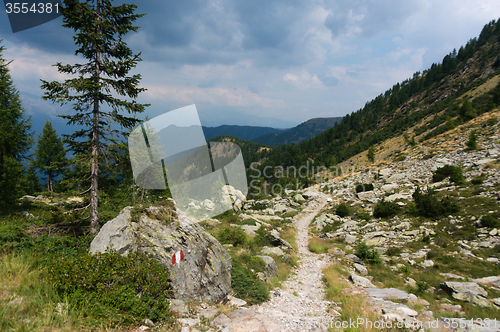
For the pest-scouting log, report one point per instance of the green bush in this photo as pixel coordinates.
(262, 238)
(360, 187)
(492, 121)
(12, 236)
(478, 179)
(490, 221)
(454, 172)
(385, 209)
(429, 206)
(368, 254)
(232, 235)
(128, 289)
(245, 284)
(472, 141)
(343, 210)
(363, 215)
(393, 251)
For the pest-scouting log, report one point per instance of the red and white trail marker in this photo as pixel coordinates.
(177, 257)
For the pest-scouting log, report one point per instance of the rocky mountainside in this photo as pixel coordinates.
(433, 271)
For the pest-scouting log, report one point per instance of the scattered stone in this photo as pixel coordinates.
(234, 301)
(272, 251)
(361, 269)
(388, 294)
(179, 307)
(466, 291)
(361, 281)
(427, 263)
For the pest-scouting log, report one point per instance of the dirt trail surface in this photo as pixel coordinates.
(300, 305)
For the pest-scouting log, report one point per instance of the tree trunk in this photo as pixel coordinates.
(49, 182)
(94, 170)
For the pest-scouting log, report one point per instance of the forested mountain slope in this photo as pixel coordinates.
(302, 132)
(445, 95)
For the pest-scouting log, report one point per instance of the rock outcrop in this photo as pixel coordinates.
(203, 275)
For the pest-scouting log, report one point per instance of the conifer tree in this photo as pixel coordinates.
(31, 183)
(49, 154)
(15, 139)
(100, 29)
(371, 154)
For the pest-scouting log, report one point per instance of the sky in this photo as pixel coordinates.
(270, 63)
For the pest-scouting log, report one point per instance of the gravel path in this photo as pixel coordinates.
(300, 305)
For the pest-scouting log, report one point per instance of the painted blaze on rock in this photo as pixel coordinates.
(203, 275)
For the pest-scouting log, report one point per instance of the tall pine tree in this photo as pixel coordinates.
(49, 154)
(15, 136)
(100, 29)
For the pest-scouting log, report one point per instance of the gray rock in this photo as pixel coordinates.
(280, 208)
(249, 229)
(411, 282)
(361, 269)
(375, 238)
(271, 270)
(299, 198)
(203, 275)
(361, 281)
(208, 204)
(350, 239)
(466, 291)
(390, 187)
(179, 307)
(309, 194)
(236, 301)
(488, 281)
(366, 195)
(354, 258)
(427, 263)
(388, 294)
(272, 251)
(277, 240)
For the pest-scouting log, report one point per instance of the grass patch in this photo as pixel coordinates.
(354, 306)
(319, 246)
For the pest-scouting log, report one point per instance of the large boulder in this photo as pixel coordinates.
(466, 291)
(203, 275)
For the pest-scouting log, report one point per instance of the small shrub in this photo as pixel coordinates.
(429, 206)
(130, 288)
(361, 187)
(492, 121)
(472, 142)
(422, 286)
(393, 251)
(232, 235)
(363, 215)
(426, 239)
(490, 221)
(478, 179)
(262, 238)
(368, 254)
(454, 172)
(245, 283)
(385, 209)
(253, 262)
(343, 210)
